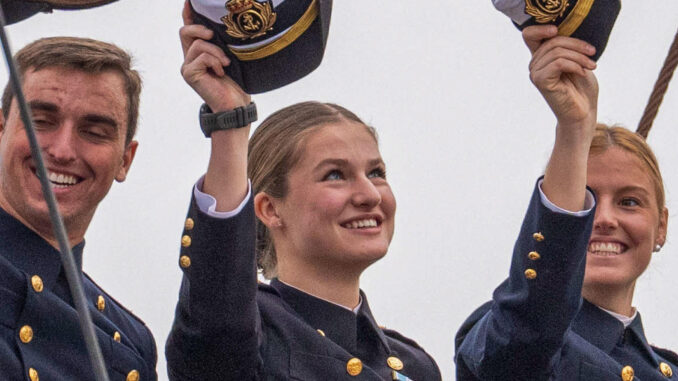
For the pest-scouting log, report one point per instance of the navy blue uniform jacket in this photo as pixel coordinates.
(39, 329)
(541, 328)
(228, 328)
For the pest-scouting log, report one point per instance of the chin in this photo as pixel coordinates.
(367, 257)
(607, 280)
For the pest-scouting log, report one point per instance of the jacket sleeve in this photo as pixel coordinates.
(520, 333)
(217, 324)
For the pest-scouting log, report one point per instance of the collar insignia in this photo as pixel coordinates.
(248, 19)
(545, 11)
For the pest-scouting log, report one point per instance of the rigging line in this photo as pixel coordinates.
(659, 90)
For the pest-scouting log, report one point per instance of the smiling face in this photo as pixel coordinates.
(627, 224)
(339, 208)
(81, 121)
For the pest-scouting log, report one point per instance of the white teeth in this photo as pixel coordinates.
(605, 248)
(368, 223)
(61, 180)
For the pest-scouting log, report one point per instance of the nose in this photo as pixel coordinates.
(605, 218)
(366, 195)
(59, 144)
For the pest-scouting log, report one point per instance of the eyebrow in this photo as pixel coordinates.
(43, 106)
(634, 188)
(90, 118)
(101, 119)
(344, 162)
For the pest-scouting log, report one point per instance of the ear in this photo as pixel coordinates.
(127, 158)
(663, 225)
(266, 210)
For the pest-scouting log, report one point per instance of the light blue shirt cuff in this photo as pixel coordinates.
(208, 204)
(589, 203)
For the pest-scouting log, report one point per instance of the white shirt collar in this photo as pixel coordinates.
(626, 320)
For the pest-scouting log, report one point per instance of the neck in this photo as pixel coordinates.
(330, 283)
(617, 299)
(44, 228)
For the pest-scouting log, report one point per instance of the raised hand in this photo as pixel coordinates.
(561, 70)
(203, 70)
(203, 67)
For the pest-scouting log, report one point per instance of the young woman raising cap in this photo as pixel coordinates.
(325, 213)
(565, 312)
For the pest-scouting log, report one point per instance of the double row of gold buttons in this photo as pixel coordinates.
(26, 331)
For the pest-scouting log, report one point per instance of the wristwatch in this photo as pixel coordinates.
(217, 121)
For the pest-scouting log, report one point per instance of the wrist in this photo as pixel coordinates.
(576, 135)
(236, 118)
(222, 104)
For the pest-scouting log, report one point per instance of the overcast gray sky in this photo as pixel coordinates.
(463, 132)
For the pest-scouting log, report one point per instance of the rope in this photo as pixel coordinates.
(659, 90)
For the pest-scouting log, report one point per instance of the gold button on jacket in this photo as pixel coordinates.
(101, 303)
(538, 236)
(354, 366)
(37, 284)
(33, 374)
(133, 376)
(627, 373)
(26, 334)
(530, 274)
(185, 261)
(189, 224)
(394, 363)
(186, 241)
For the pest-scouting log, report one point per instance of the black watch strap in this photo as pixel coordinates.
(236, 118)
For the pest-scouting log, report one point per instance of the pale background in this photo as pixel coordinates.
(463, 132)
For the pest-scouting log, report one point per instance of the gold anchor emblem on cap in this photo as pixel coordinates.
(545, 11)
(248, 19)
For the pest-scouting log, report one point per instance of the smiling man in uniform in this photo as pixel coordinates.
(84, 99)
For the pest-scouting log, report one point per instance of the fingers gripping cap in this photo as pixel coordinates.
(17, 10)
(270, 43)
(588, 20)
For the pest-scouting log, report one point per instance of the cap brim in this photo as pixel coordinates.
(76, 4)
(18, 10)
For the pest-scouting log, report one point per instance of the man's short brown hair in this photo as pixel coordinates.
(90, 56)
